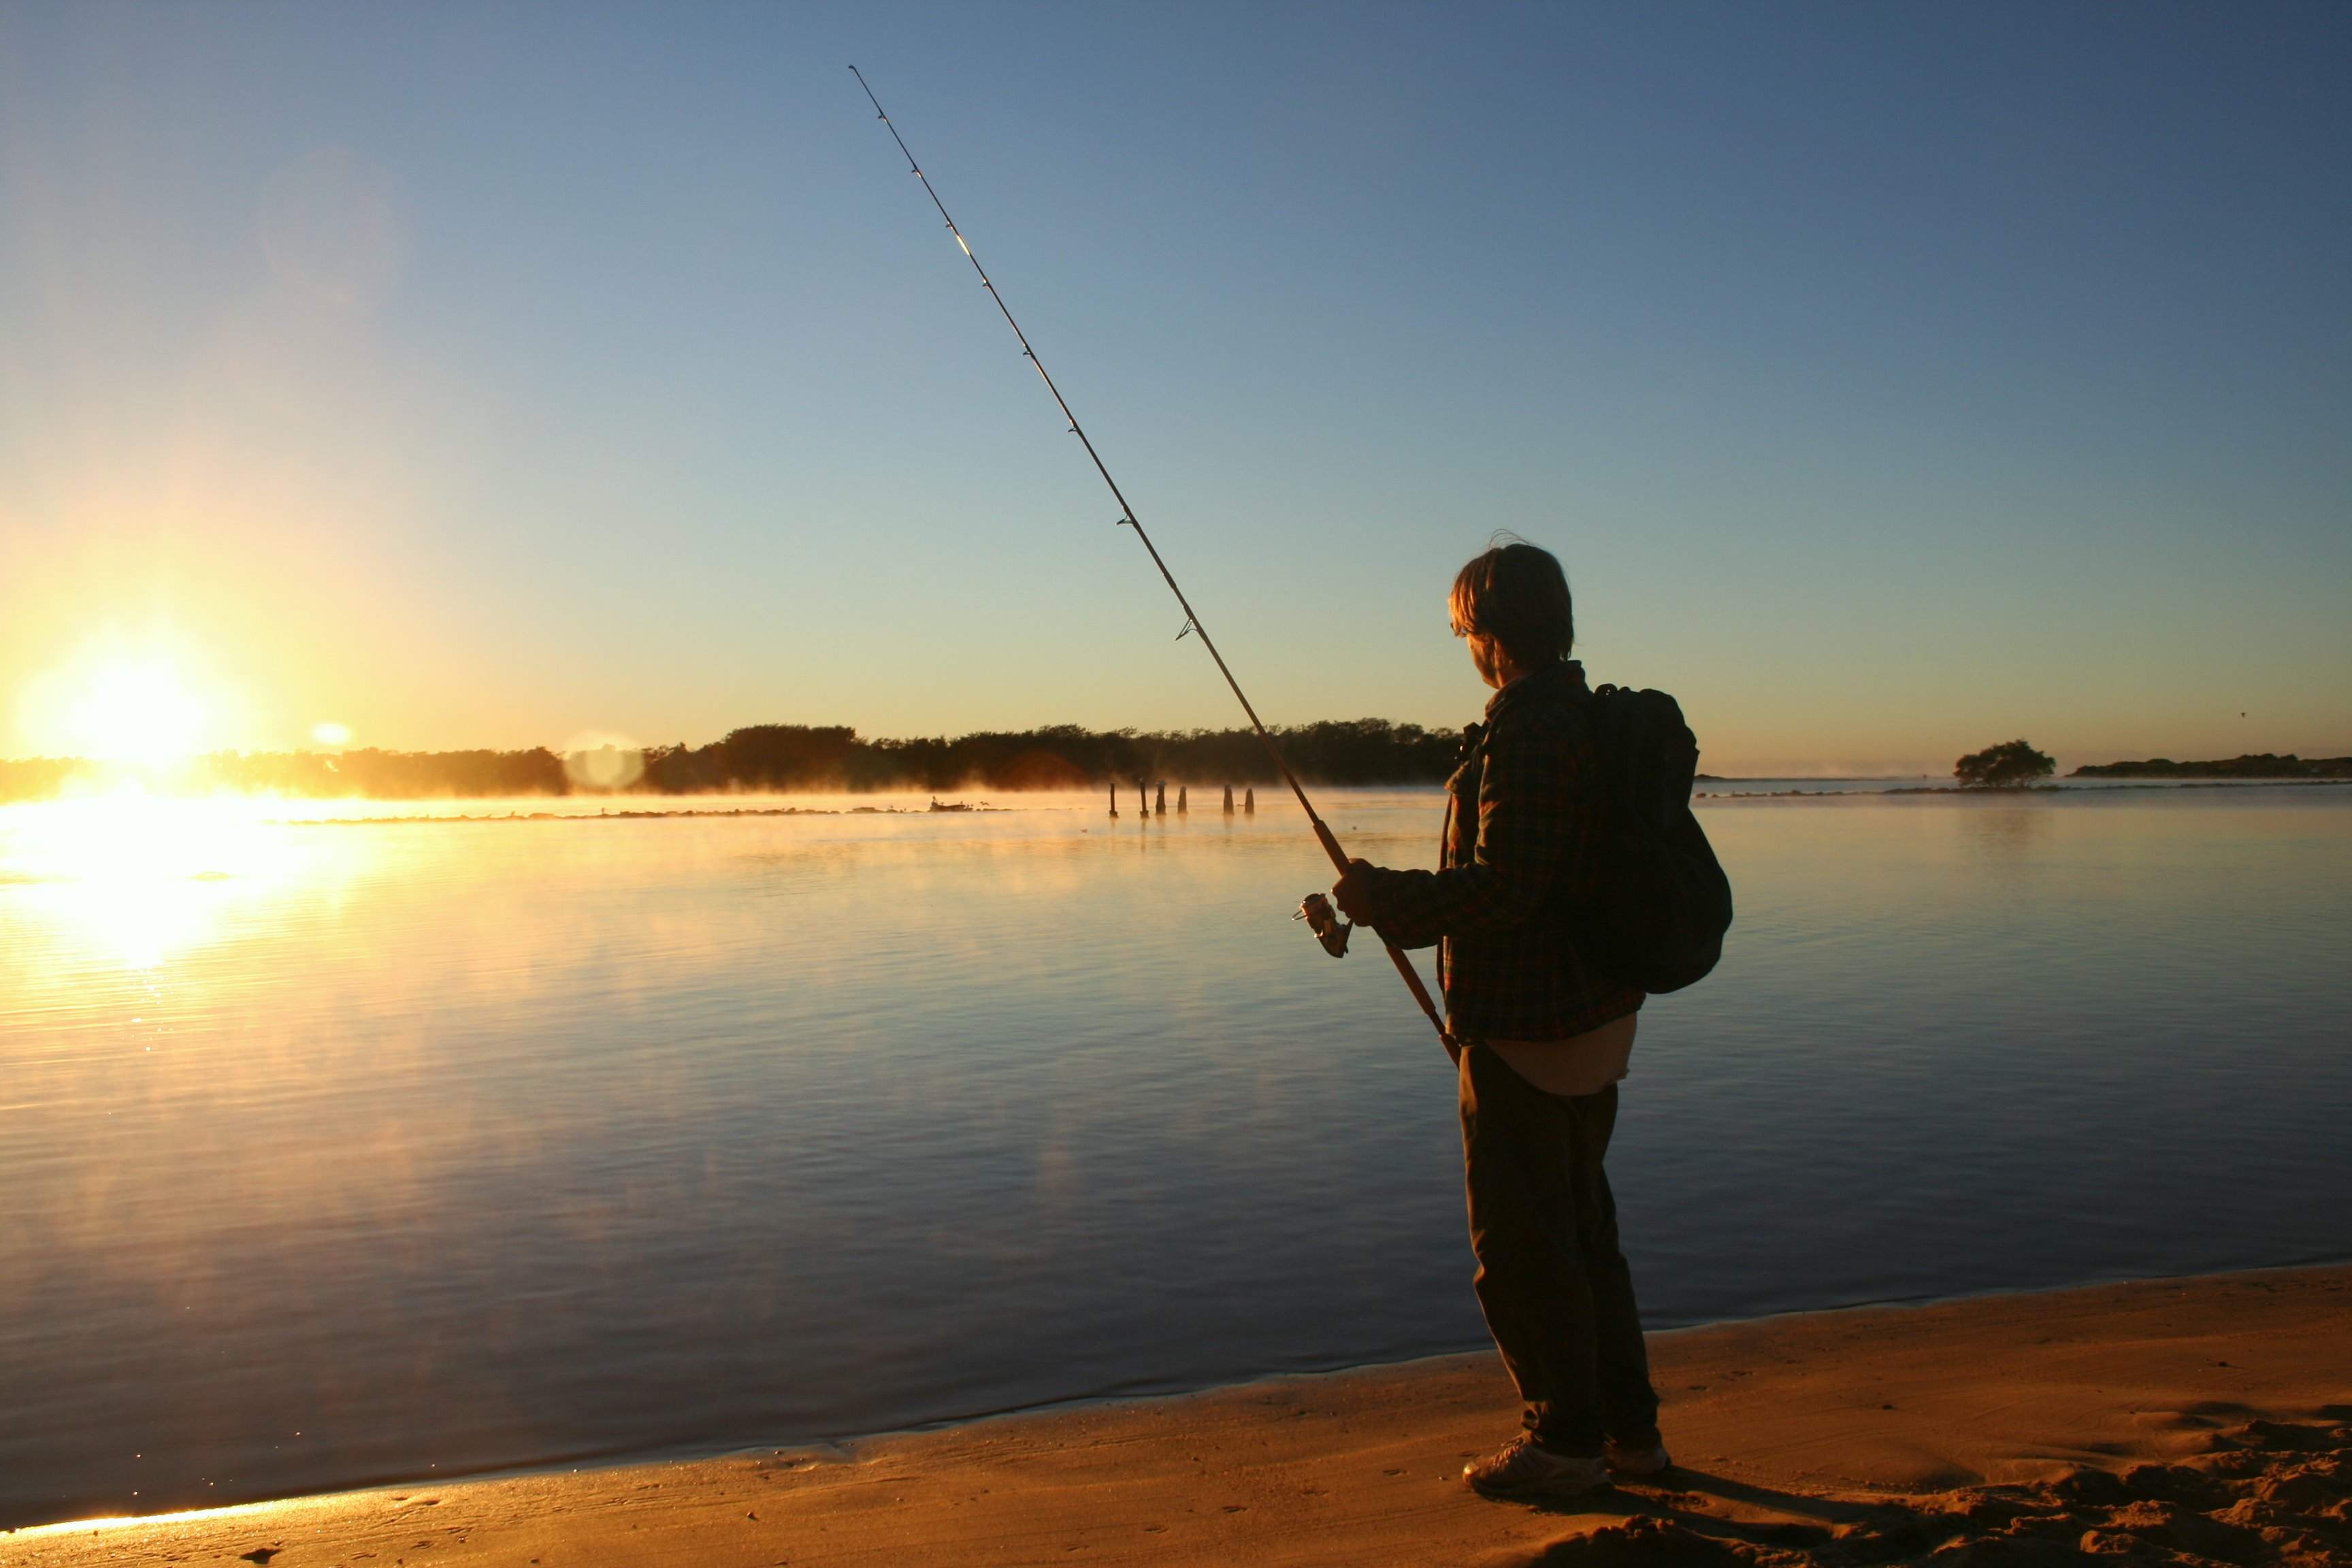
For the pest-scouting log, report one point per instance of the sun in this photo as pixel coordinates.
(118, 702)
(136, 710)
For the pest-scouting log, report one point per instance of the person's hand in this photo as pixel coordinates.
(1353, 892)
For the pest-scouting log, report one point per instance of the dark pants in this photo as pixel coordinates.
(1557, 1294)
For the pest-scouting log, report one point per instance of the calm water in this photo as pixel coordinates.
(339, 1153)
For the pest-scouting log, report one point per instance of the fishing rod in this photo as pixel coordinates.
(1316, 911)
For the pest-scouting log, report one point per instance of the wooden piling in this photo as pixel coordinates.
(1159, 799)
(1180, 800)
(1229, 800)
(1114, 797)
(1249, 803)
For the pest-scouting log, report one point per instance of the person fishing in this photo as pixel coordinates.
(1544, 1035)
(1539, 1037)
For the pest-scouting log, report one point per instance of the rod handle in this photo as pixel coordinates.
(1396, 954)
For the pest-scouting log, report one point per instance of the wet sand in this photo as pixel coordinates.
(2206, 1419)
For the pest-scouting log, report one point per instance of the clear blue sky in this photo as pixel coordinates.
(1891, 379)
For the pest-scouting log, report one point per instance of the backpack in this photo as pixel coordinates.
(1661, 902)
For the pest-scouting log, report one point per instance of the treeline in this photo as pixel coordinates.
(36, 778)
(801, 758)
(370, 772)
(1060, 756)
(2261, 765)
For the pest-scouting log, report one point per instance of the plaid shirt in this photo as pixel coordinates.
(1510, 870)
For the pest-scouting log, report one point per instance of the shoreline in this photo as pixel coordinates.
(2012, 1416)
(405, 810)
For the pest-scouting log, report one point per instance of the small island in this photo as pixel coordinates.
(2261, 765)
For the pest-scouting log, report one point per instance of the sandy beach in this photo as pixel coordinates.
(2202, 1419)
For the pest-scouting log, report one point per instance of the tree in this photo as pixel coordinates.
(2011, 763)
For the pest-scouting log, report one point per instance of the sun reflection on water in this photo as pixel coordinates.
(134, 879)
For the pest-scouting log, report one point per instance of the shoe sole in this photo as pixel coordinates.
(1640, 1473)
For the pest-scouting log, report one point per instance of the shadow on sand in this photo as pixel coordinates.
(2264, 1492)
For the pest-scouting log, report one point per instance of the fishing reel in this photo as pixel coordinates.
(1324, 922)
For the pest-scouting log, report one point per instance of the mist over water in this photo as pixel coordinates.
(405, 1148)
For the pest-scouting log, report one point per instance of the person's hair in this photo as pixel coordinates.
(1516, 593)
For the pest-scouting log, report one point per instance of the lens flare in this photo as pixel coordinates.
(600, 761)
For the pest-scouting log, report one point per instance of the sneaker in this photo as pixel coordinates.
(1521, 1469)
(1638, 1462)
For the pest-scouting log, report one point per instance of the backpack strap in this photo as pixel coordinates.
(1470, 760)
